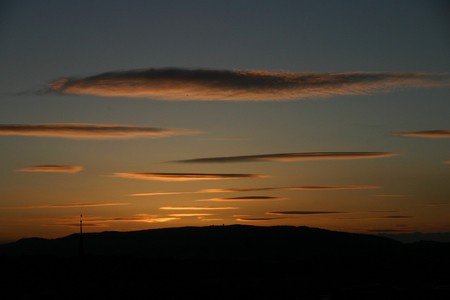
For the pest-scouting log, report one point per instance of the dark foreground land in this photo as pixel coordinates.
(231, 262)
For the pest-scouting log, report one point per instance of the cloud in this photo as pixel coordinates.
(97, 221)
(436, 134)
(52, 169)
(256, 219)
(304, 212)
(243, 199)
(333, 188)
(447, 162)
(146, 218)
(398, 217)
(290, 157)
(197, 207)
(230, 85)
(69, 205)
(185, 176)
(189, 215)
(90, 131)
(388, 230)
(293, 188)
(392, 195)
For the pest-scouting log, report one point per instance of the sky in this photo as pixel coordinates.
(150, 114)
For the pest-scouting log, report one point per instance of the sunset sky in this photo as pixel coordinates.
(148, 114)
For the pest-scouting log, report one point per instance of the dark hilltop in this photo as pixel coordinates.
(225, 262)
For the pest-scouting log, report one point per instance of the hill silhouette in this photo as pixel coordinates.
(226, 262)
(213, 242)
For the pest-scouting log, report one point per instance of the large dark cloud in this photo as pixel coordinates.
(289, 157)
(90, 131)
(187, 84)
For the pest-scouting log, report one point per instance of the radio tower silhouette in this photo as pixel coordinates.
(81, 246)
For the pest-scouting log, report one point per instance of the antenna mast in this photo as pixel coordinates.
(81, 249)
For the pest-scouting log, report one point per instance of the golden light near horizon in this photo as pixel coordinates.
(275, 118)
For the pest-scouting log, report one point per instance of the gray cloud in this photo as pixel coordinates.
(436, 134)
(228, 85)
(185, 176)
(90, 131)
(289, 157)
(52, 169)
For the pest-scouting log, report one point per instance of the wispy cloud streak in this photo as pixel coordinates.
(90, 131)
(257, 219)
(198, 207)
(190, 215)
(70, 205)
(293, 188)
(303, 212)
(185, 176)
(243, 199)
(291, 157)
(52, 169)
(434, 134)
(229, 85)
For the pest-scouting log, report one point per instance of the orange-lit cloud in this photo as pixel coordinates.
(90, 131)
(391, 195)
(333, 188)
(398, 217)
(436, 134)
(185, 176)
(304, 212)
(69, 205)
(189, 215)
(292, 157)
(228, 85)
(257, 219)
(98, 221)
(447, 162)
(243, 199)
(293, 188)
(387, 230)
(198, 207)
(52, 169)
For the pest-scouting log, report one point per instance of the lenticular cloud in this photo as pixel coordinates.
(234, 85)
(90, 131)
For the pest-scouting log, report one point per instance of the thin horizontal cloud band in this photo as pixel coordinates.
(291, 157)
(52, 169)
(69, 205)
(235, 85)
(185, 176)
(294, 188)
(243, 199)
(90, 131)
(435, 134)
(304, 212)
